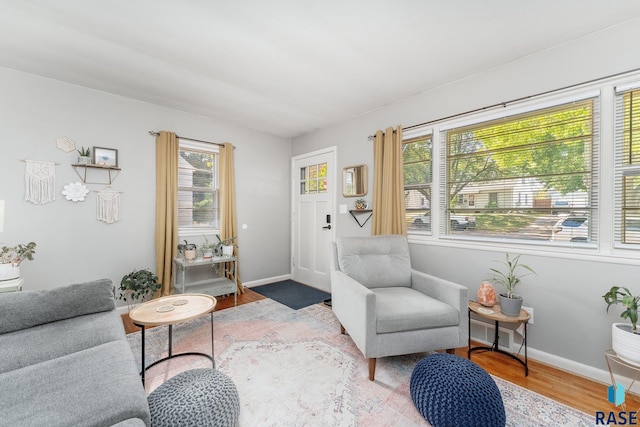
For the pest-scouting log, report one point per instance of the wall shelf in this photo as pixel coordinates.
(82, 169)
(357, 212)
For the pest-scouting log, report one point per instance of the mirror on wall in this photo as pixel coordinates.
(354, 181)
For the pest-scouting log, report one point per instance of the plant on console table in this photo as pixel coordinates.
(12, 256)
(225, 247)
(511, 277)
(136, 286)
(188, 250)
(625, 339)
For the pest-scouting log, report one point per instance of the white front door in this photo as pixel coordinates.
(313, 222)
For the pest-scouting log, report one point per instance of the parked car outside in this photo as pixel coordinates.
(458, 222)
(572, 228)
(562, 204)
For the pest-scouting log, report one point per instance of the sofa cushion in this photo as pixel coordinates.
(38, 344)
(99, 386)
(405, 309)
(20, 310)
(375, 261)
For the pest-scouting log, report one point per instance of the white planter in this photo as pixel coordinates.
(625, 343)
(190, 254)
(227, 250)
(9, 271)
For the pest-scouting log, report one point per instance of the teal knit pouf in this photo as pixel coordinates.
(451, 391)
(199, 397)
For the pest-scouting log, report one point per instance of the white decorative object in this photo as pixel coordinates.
(625, 343)
(9, 271)
(227, 250)
(40, 182)
(108, 206)
(75, 191)
(65, 144)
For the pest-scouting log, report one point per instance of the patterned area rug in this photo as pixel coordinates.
(294, 368)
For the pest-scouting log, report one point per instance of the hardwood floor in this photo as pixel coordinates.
(572, 390)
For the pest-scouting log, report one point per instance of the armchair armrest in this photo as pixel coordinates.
(443, 290)
(355, 307)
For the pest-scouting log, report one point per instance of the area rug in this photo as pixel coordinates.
(294, 368)
(292, 294)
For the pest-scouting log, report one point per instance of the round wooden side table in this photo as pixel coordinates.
(495, 313)
(171, 310)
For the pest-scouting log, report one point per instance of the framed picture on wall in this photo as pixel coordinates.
(105, 156)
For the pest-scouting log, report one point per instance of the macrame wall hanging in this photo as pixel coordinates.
(40, 182)
(108, 205)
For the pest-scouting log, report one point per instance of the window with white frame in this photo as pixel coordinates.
(530, 176)
(417, 169)
(627, 165)
(198, 195)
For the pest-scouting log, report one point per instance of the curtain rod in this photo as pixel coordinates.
(154, 133)
(524, 98)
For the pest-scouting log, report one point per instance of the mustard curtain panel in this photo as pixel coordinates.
(388, 184)
(228, 221)
(166, 208)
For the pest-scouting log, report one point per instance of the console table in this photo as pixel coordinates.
(495, 313)
(213, 286)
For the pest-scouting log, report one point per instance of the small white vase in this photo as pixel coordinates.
(9, 271)
(625, 343)
(227, 250)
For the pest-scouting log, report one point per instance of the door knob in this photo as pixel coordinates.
(328, 227)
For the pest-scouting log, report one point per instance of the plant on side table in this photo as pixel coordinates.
(625, 339)
(509, 279)
(12, 256)
(138, 285)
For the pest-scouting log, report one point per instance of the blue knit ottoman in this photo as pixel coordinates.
(199, 397)
(449, 390)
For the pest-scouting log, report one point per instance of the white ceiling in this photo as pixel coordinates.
(285, 67)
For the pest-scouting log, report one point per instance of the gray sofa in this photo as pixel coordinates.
(65, 361)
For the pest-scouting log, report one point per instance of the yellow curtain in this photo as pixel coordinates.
(388, 184)
(166, 208)
(228, 227)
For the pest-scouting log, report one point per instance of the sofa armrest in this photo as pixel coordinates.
(21, 310)
(355, 307)
(443, 290)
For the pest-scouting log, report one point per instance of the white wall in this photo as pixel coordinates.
(571, 324)
(72, 245)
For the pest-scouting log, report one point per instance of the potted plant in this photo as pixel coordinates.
(509, 279)
(625, 339)
(188, 250)
(137, 285)
(225, 247)
(11, 257)
(85, 156)
(361, 204)
(208, 249)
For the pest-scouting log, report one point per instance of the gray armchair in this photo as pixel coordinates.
(387, 307)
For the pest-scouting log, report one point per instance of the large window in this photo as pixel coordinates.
(529, 176)
(627, 190)
(417, 163)
(198, 195)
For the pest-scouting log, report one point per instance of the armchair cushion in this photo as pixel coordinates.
(405, 309)
(375, 262)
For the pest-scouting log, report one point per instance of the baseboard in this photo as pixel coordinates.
(259, 282)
